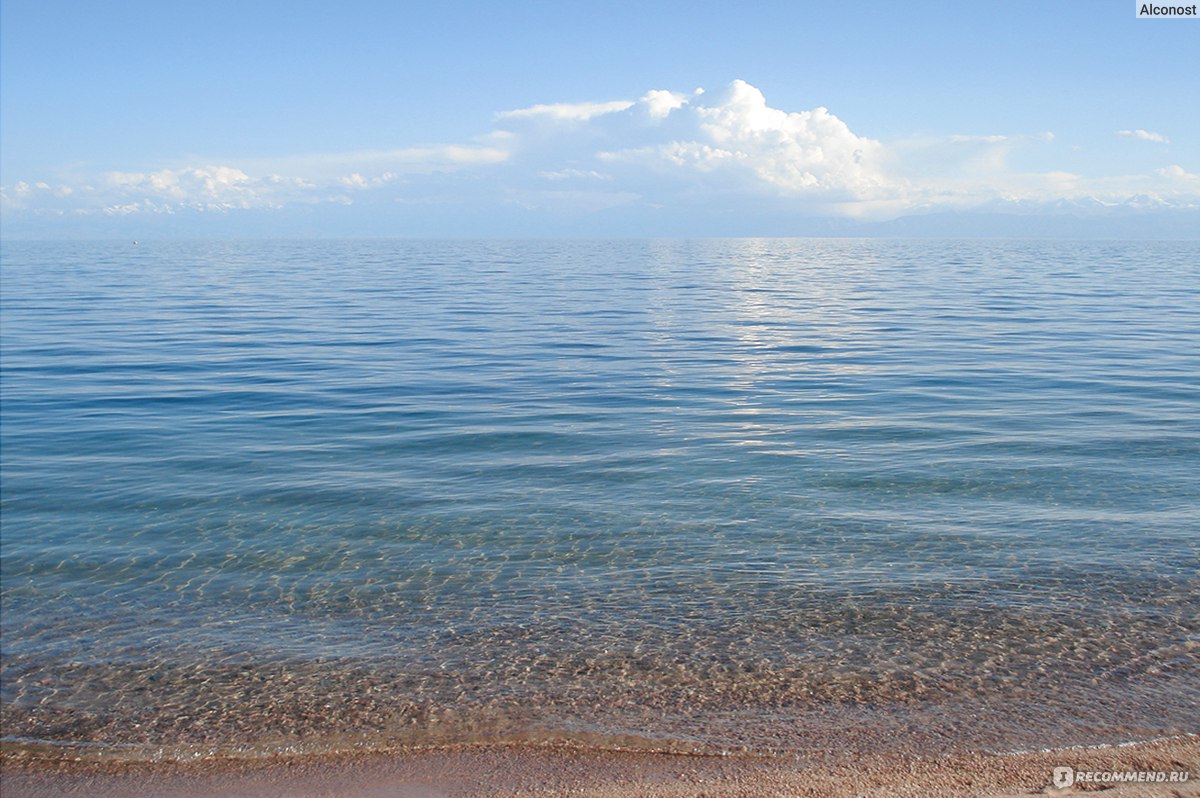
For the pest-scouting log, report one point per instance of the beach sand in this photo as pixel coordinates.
(525, 770)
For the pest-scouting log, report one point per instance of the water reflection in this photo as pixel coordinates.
(708, 492)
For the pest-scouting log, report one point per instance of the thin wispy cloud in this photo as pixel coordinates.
(1144, 135)
(578, 112)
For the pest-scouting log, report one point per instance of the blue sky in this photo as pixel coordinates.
(531, 118)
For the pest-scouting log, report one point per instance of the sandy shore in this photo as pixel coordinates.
(490, 772)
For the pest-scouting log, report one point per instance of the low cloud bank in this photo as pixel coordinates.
(720, 152)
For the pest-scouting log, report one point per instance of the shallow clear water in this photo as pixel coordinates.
(767, 494)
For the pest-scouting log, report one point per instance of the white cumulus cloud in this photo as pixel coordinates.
(659, 103)
(198, 188)
(726, 142)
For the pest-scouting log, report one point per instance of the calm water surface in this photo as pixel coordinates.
(751, 494)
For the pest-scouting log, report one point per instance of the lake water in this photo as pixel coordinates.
(770, 495)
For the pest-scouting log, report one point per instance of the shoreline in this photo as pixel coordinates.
(490, 771)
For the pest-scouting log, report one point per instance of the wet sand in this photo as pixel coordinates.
(524, 770)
